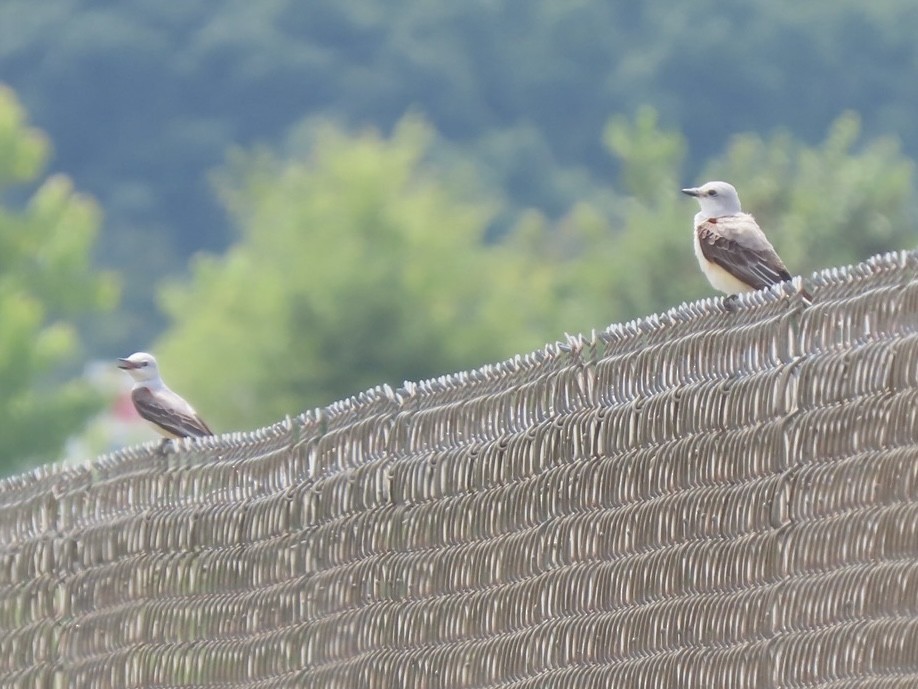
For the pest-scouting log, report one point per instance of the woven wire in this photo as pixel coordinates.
(699, 499)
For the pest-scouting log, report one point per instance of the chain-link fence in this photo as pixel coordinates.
(703, 499)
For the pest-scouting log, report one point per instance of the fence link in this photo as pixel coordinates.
(700, 499)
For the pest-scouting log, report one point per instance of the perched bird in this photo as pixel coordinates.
(168, 413)
(733, 252)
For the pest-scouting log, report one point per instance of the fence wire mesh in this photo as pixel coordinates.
(699, 499)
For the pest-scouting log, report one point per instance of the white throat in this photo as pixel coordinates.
(152, 384)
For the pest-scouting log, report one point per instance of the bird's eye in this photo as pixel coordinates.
(145, 363)
(713, 192)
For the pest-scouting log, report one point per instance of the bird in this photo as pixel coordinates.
(167, 412)
(733, 252)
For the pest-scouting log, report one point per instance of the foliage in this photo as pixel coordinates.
(357, 263)
(45, 280)
(834, 203)
(360, 262)
(143, 98)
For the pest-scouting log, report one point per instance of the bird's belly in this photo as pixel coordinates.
(162, 431)
(719, 278)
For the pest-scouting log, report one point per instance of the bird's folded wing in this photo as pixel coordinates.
(758, 266)
(181, 422)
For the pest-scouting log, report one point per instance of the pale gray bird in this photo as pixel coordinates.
(169, 414)
(733, 252)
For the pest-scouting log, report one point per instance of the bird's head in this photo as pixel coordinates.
(716, 199)
(141, 366)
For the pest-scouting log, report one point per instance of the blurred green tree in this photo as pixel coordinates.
(631, 258)
(358, 263)
(46, 279)
(142, 98)
(838, 202)
(834, 203)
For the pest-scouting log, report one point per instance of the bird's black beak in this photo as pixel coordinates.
(692, 191)
(126, 365)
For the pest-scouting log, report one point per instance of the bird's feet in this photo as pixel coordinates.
(164, 447)
(730, 302)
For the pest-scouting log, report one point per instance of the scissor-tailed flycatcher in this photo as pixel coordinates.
(733, 252)
(168, 413)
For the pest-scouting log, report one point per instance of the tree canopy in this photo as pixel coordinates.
(361, 260)
(143, 98)
(357, 263)
(46, 280)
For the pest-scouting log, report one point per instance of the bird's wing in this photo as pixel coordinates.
(170, 412)
(736, 244)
